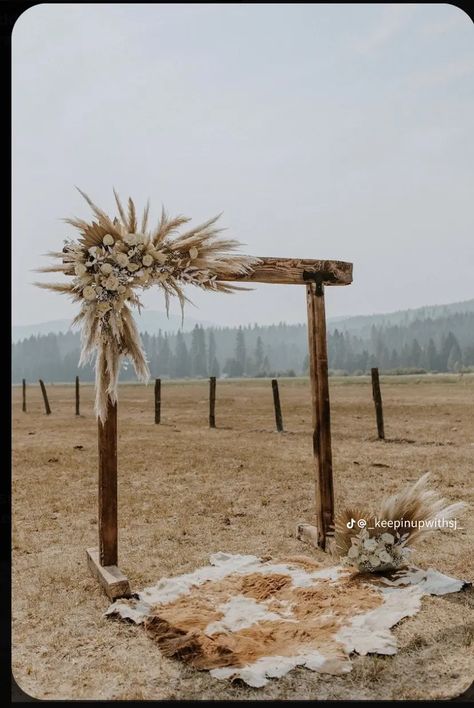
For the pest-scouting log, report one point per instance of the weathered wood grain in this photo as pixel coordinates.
(289, 271)
(325, 450)
(108, 535)
(377, 396)
(45, 397)
(114, 582)
(77, 397)
(277, 406)
(319, 382)
(212, 402)
(157, 401)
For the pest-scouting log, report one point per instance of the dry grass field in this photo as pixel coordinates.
(186, 491)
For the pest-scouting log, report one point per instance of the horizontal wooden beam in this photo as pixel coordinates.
(295, 271)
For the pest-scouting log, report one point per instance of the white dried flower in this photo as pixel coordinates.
(353, 552)
(374, 561)
(370, 544)
(122, 259)
(147, 260)
(132, 267)
(193, 252)
(108, 240)
(112, 282)
(130, 239)
(99, 290)
(88, 293)
(93, 250)
(106, 268)
(385, 557)
(104, 306)
(122, 289)
(80, 269)
(387, 538)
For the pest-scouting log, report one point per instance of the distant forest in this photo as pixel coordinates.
(439, 344)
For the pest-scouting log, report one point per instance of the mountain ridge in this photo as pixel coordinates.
(152, 321)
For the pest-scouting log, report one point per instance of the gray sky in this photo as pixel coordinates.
(320, 131)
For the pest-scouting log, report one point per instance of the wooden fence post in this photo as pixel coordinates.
(212, 402)
(377, 396)
(157, 401)
(77, 395)
(23, 407)
(321, 411)
(276, 403)
(45, 397)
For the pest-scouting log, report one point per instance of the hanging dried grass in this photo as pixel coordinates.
(111, 259)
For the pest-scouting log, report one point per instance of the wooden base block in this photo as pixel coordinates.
(308, 534)
(110, 577)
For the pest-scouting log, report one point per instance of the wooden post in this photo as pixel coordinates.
(212, 402)
(45, 398)
(103, 561)
(77, 395)
(23, 407)
(157, 401)
(377, 396)
(276, 403)
(321, 411)
(108, 487)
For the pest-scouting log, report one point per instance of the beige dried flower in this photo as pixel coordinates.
(88, 293)
(122, 259)
(106, 268)
(112, 282)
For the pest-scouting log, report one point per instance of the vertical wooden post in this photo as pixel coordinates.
(157, 401)
(77, 395)
(377, 396)
(23, 406)
(108, 487)
(321, 411)
(276, 403)
(45, 397)
(212, 402)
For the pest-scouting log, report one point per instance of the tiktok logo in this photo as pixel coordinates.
(361, 523)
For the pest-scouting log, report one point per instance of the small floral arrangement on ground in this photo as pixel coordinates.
(417, 509)
(376, 554)
(115, 257)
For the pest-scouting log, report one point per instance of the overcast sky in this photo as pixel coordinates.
(340, 132)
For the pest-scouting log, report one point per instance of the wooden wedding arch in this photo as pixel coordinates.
(315, 275)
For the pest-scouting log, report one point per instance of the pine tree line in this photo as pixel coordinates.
(442, 344)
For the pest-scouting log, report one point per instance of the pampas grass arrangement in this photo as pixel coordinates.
(113, 258)
(386, 541)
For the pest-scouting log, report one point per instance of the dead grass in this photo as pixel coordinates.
(186, 491)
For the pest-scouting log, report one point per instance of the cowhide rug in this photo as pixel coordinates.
(254, 619)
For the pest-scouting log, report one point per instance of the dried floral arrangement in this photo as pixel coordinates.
(115, 257)
(414, 512)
